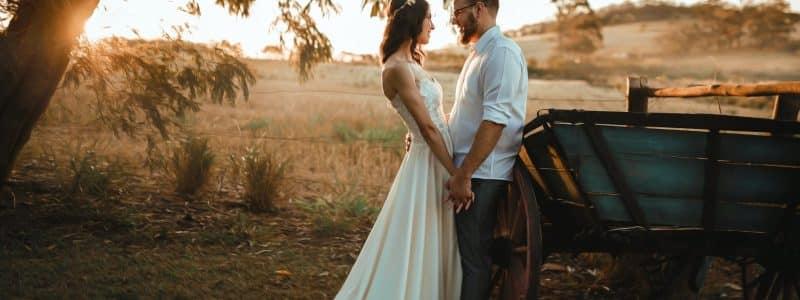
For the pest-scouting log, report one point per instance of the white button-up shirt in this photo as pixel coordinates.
(493, 86)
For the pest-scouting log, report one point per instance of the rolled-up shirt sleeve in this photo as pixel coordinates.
(500, 80)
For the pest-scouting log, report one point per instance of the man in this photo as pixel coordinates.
(486, 127)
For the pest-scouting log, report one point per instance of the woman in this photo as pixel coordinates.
(411, 252)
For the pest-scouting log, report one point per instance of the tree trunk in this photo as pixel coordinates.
(34, 53)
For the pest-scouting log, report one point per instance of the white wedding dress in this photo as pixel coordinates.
(412, 251)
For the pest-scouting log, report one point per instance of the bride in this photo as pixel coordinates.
(411, 252)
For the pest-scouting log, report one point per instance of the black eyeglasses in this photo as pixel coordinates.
(458, 11)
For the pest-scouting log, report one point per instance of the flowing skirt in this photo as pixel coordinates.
(411, 251)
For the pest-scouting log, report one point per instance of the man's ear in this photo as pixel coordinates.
(482, 9)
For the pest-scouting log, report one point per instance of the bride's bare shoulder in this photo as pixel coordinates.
(390, 68)
(394, 70)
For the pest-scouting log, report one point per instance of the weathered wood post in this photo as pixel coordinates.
(786, 107)
(636, 94)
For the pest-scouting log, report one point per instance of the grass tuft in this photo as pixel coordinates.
(265, 178)
(387, 136)
(191, 164)
(340, 215)
(90, 175)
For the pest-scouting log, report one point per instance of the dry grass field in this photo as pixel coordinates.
(139, 239)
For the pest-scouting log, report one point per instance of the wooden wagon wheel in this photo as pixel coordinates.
(517, 248)
(771, 281)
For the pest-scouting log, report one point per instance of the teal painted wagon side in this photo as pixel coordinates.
(674, 184)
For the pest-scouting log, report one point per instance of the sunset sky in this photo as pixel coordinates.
(351, 31)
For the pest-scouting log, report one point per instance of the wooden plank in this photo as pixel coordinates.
(576, 192)
(742, 183)
(530, 167)
(789, 216)
(687, 212)
(677, 172)
(760, 149)
(646, 175)
(615, 173)
(556, 177)
(536, 146)
(673, 120)
(736, 216)
(657, 210)
(786, 107)
(710, 182)
(636, 95)
(635, 140)
(739, 148)
(741, 90)
(674, 177)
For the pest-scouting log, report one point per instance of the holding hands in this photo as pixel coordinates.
(460, 187)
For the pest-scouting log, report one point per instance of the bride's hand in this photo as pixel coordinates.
(465, 205)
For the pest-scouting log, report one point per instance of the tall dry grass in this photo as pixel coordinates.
(338, 128)
(264, 178)
(191, 164)
(305, 122)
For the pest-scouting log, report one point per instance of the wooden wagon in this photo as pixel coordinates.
(672, 184)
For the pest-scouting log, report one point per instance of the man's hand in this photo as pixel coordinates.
(460, 188)
(408, 141)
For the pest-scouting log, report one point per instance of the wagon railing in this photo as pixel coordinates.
(785, 108)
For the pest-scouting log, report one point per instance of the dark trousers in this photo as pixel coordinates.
(475, 229)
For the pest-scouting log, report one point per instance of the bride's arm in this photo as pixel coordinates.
(403, 82)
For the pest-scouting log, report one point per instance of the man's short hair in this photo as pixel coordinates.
(493, 5)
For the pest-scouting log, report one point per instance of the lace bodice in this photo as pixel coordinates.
(431, 91)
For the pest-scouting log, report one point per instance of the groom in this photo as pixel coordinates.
(486, 127)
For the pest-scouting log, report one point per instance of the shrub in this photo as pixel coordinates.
(264, 179)
(389, 137)
(345, 133)
(358, 208)
(91, 176)
(326, 221)
(340, 215)
(191, 164)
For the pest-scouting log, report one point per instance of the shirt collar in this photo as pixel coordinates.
(489, 35)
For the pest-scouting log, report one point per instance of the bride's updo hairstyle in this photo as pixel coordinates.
(404, 21)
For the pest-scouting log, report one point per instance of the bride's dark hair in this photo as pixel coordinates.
(404, 22)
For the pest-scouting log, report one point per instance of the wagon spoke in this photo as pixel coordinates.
(496, 277)
(790, 287)
(796, 284)
(787, 286)
(765, 284)
(758, 280)
(501, 281)
(776, 287)
(517, 284)
(748, 269)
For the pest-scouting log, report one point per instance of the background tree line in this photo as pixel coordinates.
(716, 26)
(709, 25)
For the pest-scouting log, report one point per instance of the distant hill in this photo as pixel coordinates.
(625, 13)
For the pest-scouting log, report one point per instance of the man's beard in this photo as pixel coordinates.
(470, 29)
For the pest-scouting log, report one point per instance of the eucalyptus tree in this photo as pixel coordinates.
(135, 82)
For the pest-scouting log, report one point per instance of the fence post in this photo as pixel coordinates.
(786, 107)
(636, 95)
